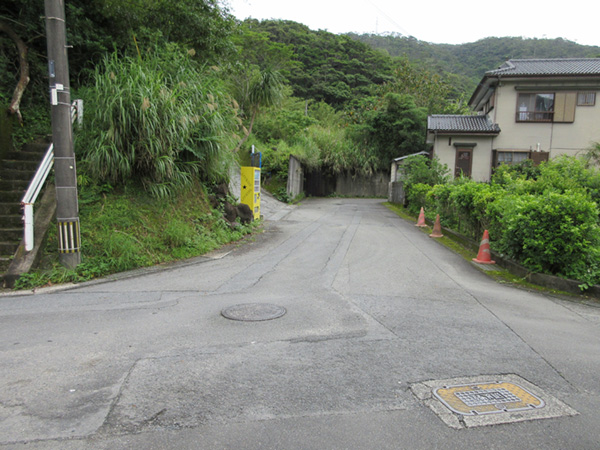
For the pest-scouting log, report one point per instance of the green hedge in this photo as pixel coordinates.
(545, 217)
(552, 233)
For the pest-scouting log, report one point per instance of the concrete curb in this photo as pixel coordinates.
(540, 279)
(119, 276)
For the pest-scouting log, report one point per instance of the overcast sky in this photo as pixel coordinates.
(438, 21)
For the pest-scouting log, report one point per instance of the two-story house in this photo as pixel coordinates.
(526, 109)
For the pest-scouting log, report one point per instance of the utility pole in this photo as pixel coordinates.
(67, 209)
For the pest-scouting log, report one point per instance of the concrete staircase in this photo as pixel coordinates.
(16, 171)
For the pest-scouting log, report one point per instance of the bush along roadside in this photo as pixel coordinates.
(545, 218)
(128, 229)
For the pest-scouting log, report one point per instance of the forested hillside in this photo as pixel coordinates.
(328, 67)
(470, 61)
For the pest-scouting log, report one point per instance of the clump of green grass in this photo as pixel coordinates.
(159, 119)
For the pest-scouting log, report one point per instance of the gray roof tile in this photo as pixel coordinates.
(548, 67)
(461, 124)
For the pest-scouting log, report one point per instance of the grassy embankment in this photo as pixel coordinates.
(129, 229)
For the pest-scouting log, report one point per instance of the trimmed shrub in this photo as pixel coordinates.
(417, 197)
(544, 217)
(421, 169)
(552, 233)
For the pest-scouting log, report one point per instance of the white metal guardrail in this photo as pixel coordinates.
(36, 184)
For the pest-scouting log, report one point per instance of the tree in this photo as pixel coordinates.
(14, 108)
(391, 127)
(94, 29)
(256, 47)
(254, 89)
(429, 90)
(200, 24)
(330, 67)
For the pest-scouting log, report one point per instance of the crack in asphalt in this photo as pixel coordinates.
(244, 280)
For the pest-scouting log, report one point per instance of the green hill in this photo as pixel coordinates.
(470, 61)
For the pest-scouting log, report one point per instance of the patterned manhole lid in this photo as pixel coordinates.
(467, 402)
(487, 398)
(253, 312)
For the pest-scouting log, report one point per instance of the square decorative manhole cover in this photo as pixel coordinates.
(487, 398)
(477, 401)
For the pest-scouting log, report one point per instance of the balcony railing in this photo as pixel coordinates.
(535, 116)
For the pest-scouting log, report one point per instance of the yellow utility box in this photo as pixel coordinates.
(251, 189)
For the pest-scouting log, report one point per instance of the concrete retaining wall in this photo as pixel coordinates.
(396, 192)
(375, 185)
(295, 183)
(322, 183)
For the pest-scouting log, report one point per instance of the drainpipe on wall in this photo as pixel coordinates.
(497, 95)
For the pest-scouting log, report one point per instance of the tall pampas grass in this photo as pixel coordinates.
(159, 119)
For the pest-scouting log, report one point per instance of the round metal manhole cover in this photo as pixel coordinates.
(253, 312)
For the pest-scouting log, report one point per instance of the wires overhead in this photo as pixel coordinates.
(400, 28)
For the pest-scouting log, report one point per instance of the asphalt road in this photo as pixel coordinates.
(376, 313)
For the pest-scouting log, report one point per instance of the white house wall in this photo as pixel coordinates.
(571, 138)
(481, 168)
(557, 138)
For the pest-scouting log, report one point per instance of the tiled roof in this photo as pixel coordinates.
(461, 124)
(548, 67)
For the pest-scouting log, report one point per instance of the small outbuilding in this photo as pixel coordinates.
(395, 189)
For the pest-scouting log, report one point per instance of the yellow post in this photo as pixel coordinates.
(250, 194)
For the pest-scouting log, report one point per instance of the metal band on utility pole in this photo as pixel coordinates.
(67, 208)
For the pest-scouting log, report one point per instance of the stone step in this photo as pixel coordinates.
(8, 248)
(17, 164)
(4, 263)
(25, 175)
(35, 147)
(25, 156)
(11, 196)
(10, 208)
(14, 185)
(16, 172)
(11, 220)
(11, 234)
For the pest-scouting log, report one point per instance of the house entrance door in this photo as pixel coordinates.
(464, 160)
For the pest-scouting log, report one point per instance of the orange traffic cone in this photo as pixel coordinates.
(484, 256)
(421, 221)
(437, 228)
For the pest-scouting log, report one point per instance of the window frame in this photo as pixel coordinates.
(512, 158)
(585, 102)
(537, 115)
(536, 156)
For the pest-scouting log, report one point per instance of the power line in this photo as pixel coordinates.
(392, 21)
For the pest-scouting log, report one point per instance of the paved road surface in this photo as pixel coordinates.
(375, 310)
